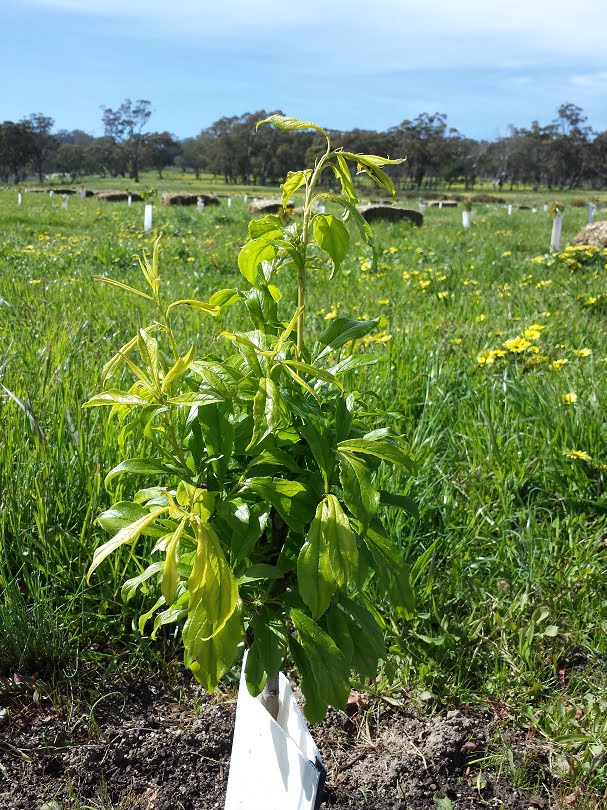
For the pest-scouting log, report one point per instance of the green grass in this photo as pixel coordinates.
(509, 550)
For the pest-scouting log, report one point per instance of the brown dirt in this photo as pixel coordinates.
(147, 748)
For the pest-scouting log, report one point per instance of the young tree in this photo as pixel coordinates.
(43, 143)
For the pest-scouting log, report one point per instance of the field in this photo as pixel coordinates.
(492, 362)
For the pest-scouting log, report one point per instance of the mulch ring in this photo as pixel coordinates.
(144, 747)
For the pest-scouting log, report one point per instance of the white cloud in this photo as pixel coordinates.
(388, 35)
(592, 83)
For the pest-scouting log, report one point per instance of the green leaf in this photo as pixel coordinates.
(360, 495)
(127, 535)
(385, 450)
(145, 617)
(200, 398)
(177, 371)
(315, 579)
(224, 298)
(266, 411)
(353, 361)
(322, 448)
(393, 572)
(267, 652)
(286, 122)
(209, 658)
(315, 707)
(367, 638)
(371, 165)
(130, 586)
(400, 501)
(199, 306)
(246, 523)
(252, 255)
(139, 466)
(340, 542)
(332, 237)
(211, 583)
(170, 575)
(121, 514)
(351, 212)
(218, 431)
(262, 309)
(114, 397)
(260, 571)
(328, 665)
(342, 330)
(313, 371)
(122, 286)
(269, 226)
(294, 501)
(294, 181)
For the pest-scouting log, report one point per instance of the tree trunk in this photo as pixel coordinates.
(270, 697)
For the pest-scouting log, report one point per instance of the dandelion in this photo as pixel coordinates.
(570, 398)
(590, 300)
(330, 315)
(517, 345)
(480, 318)
(531, 334)
(557, 365)
(383, 302)
(507, 253)
(442, 294)
(583, 352)
(392, 249)
(456, 341)
(577, 455)
(486, 357)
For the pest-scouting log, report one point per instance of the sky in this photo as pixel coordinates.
(487, 64)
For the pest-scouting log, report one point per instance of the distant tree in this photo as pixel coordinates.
(159, 151)
(16, 150)
(70, 159)
(125, 127)
(43, 142)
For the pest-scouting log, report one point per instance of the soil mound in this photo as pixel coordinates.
(593, 234)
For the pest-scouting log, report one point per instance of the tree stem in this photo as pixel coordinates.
(270, 696)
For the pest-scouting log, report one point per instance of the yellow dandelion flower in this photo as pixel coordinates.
(320, 311)
(531, 334)
(442, 294)
(456, 341)
(330, 315)
(537, 327)
(480, 318)
(35, 281)
(578, 455)
(507, 253)
(392, 249)
(558, 364)
(570, 398)
(517, 345)
(584, 352)
(383, 302)
(590, 300)
(486, 357)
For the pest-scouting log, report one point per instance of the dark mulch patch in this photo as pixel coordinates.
(149, 748)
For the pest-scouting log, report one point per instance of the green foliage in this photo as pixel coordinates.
(265, 514)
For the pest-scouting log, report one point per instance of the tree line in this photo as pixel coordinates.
(563, 154)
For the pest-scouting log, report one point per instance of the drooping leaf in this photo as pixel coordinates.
(315, 580)
(327, 663)
(177, 371)
(224, 298)
(316, 706)
(321, 446)
(210, 657)
(127, 535)
(360, 496)
(112, 282)
(366, 635)
(340, 542)
(212, 585)
(170, 574)
(266, 411)
(332, 237)
(267, 652)
(400, 501)
(119, 515)
(129, 588)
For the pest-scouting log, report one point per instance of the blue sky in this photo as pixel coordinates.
(342, 63)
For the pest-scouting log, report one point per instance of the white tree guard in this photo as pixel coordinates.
(466, 219)
(147, 218)
(555, 237)
(275, 764)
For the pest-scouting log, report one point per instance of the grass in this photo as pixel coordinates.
(506, 420)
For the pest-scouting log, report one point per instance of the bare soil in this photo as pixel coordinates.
(142, 747)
